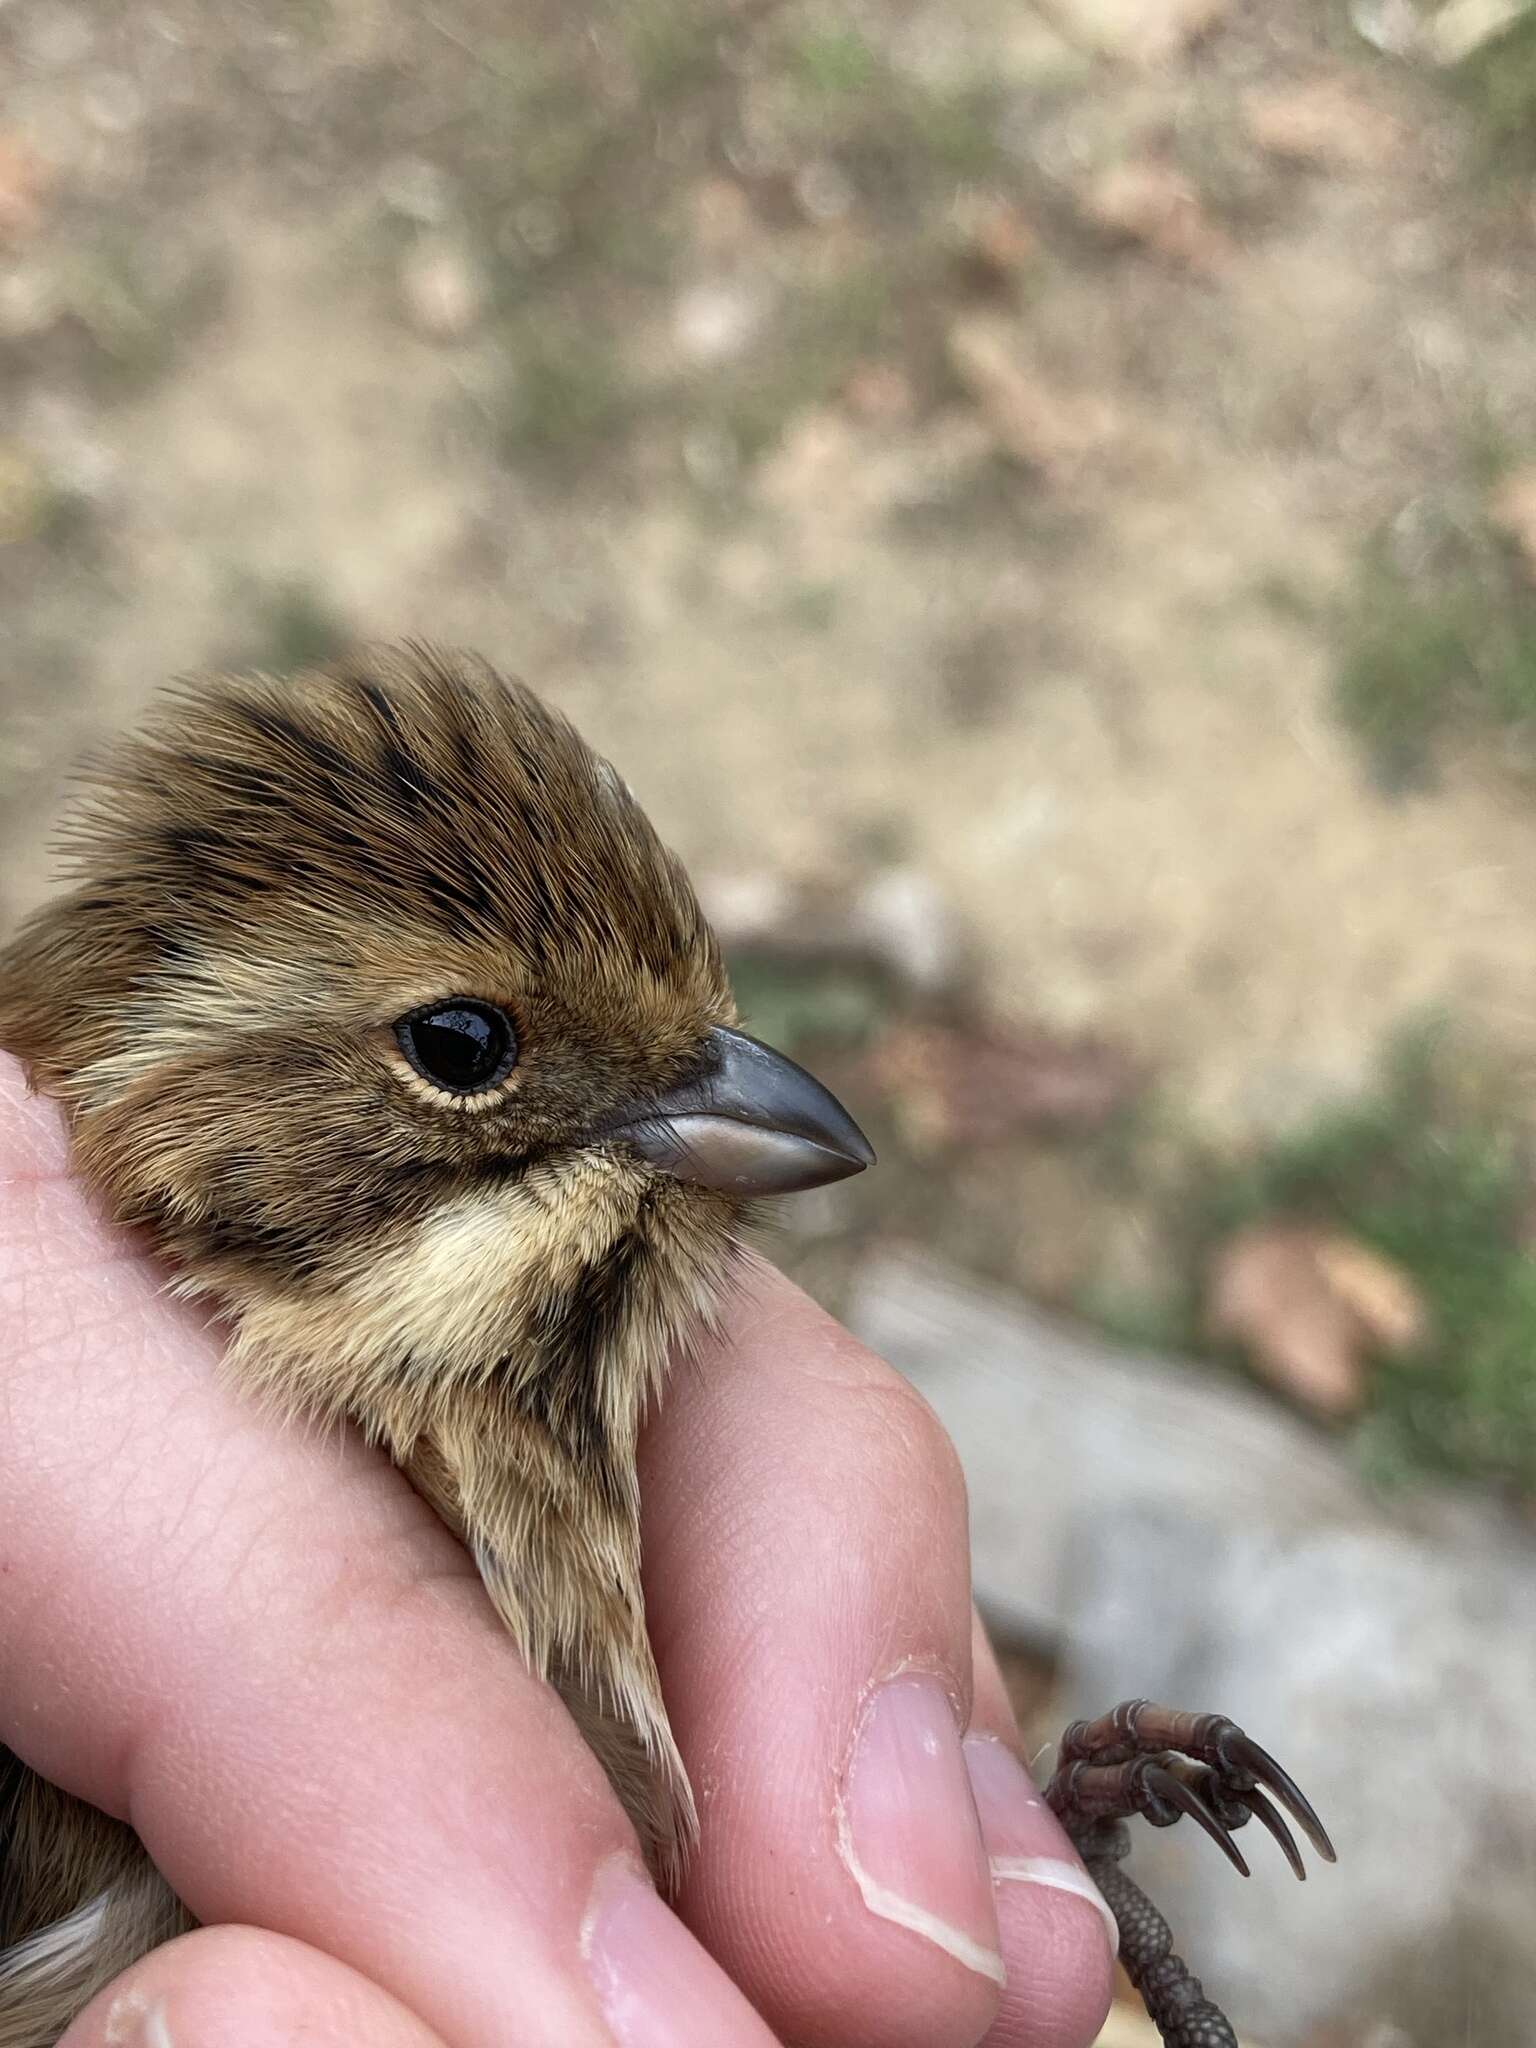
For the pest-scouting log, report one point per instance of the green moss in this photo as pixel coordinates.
(957, 130)
(1445, 655)
(1497, 82)
(141, 304)
(821, 334)
(1432, 1169)
(902, 141)
(291, 625)
(810, 605)
(567, 398)
(834, 61)
(673, 46)
(584, 150)
(802, 1005)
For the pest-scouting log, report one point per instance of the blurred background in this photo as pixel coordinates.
(1040, 501)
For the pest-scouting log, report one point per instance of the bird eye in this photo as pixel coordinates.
(462, 1045)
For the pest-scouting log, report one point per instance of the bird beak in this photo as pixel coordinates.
(749, 1123)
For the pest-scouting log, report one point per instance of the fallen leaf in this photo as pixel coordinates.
(1032, 419)
(1321, 122)
(1309, 1307)
(1156, 205)
(1385, 1300)
(997, 239)
(958, 1087)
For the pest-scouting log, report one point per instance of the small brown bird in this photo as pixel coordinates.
(379, 1007)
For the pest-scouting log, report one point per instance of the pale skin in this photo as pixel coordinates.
(264, 1649)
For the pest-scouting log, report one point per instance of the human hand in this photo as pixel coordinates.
(263, 1649)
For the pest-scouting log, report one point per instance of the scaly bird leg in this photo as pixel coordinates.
(1150, 1760)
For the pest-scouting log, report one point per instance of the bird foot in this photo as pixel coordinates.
(1154, 1761)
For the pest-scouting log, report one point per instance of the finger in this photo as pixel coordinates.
(238, 1987)
(264, 1650)
(808, 1586)
(1058, 1935)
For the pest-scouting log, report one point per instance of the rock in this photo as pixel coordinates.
(1031, 419)
(1394, 27)
(1321, 122)
(1394, 1675)
(441, 290)
(1156, 205)
(1455, 30)
(1056, 1426)
(899, 919)
(718, 318)
(1177, 1536)
(903, 918)
(1444, 36)
(1137, 31)
(746, 909)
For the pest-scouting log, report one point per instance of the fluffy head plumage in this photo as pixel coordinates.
(269, 876)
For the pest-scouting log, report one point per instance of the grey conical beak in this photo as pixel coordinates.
(750, 1123)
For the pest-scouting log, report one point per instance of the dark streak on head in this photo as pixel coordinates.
(298, 739)
(403, 778)
(383, 710)
(293, 1252)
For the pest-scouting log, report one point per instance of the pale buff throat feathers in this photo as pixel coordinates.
(378, 1004)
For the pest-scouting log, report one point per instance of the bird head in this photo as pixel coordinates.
(378, 1003)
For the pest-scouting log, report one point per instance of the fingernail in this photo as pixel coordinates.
(1025, 1842)
(656, 1985)
(907, 1823)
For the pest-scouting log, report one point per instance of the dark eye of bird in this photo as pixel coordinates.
(462, 1045)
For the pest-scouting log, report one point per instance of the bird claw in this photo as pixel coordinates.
(1150, 1760)
(1181, 1793)
(1265, 1813)
(1238, 1756)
